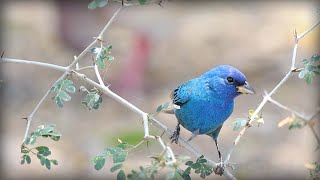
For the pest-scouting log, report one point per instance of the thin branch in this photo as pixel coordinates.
(99, 38)
(307, 31)
(84, 68)
(46, 65)
(96, 70)
(30, 117)
(306, 119)
(109, 23)
(65, 69)
(274, 90)
(287, 108)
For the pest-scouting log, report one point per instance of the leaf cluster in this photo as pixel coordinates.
(42, 152)
(93, 98)
(311, 69)
(118, 155)
(239, 123)
(314, 170)
(293, 122)
(43, 131)
(102, 55)
(61, 89)
(200, 167)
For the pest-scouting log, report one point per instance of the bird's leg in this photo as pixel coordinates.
(220, 168)
(194, 134)
(175, 135)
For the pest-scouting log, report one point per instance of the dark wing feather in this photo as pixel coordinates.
(181, 95)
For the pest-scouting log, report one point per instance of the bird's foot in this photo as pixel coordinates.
(175, 135)
(219, 169)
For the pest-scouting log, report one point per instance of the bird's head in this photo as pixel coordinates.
(228, 82)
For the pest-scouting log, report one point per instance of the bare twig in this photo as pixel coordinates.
(37, 63)
(30, 117)
(97, 39)
(306, 119)
(274, 90)
(83, 68)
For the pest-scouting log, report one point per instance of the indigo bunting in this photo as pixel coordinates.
(203, 104)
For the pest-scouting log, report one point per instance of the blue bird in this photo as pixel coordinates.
(203, 104)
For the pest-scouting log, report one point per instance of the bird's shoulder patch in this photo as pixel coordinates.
(181, 95)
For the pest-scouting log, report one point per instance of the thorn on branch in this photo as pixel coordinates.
(295, 36)
(2, 54)
(297, 69)
(25, 118)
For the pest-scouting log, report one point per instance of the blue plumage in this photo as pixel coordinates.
(204, 103)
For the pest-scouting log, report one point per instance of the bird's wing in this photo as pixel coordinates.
(181, 95)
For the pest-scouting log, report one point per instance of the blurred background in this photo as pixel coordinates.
(156, 49)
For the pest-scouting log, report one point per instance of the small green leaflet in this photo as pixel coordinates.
(238, 123)
(103, 54)
(61, 88)
(92, 100)
(42, 154)
(97, 3)
(118, 154)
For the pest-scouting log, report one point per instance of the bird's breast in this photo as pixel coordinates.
(204, 113)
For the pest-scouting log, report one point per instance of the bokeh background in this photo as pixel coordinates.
(156, 49)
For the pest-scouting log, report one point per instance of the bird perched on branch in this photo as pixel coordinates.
(203, 104)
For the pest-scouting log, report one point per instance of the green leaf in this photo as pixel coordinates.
(61, 88)
(189, 163)
(55, 162)
(64, 96)
(92, 101)
(186, 176)
(196, 165)
(71, 89)
(203, 175)
(122, 145)
(159, 109)
(202, 160)
(32, 140)
(55, 138)
(302, 74)
(238, 123)
(315, 58)
(48, 163)
(42, 149)
(46, 130)
(25, 151)
(59, 101)
(187, 171)
(92, 5)
(116, 167)
(165, 106)
(121, 175)
(142, 2)
(23, 159)
(119, 157)
(43, 160)
(99, 162)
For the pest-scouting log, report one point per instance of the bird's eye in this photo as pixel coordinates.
(230, 80)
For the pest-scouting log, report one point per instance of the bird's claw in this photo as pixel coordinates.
(175, 137)
(219, 169)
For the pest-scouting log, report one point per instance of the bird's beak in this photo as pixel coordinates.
(246, 89)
